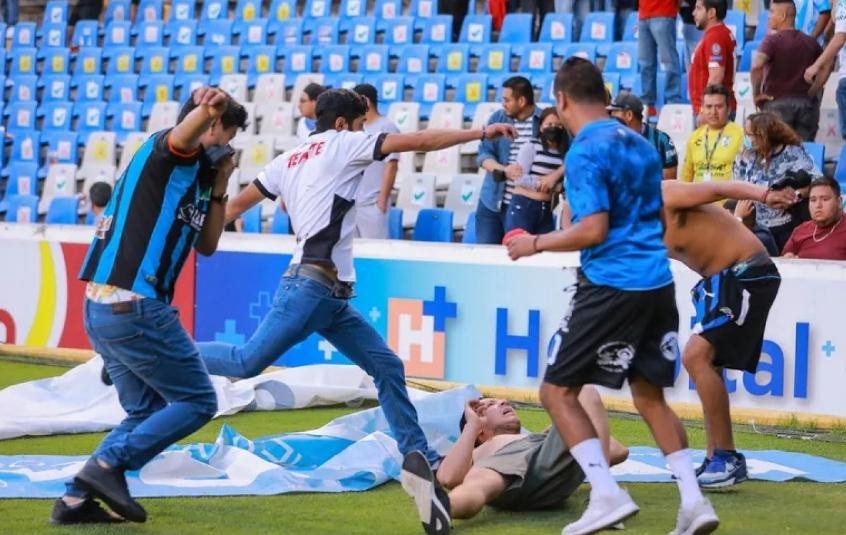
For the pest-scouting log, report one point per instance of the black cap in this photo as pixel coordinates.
(627, 102)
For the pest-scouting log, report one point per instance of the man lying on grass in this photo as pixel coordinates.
(495, 463)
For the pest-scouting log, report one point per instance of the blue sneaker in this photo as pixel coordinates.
(725, 469)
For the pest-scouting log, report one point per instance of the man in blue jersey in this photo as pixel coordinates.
(171, 198)
(623, 323)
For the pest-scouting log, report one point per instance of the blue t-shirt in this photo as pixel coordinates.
(611, 168)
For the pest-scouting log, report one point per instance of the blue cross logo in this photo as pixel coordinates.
(828, 348)
(230, 334)
(260, 308)
(440, 309)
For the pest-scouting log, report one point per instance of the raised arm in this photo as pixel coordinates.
(459, 460)
(185, 136)
(436, 139)
(681, 195)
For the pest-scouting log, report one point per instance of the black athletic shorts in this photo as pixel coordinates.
(732, 308)
(611, 334)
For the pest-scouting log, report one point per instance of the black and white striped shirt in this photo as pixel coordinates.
(539, 161)
(525, 130)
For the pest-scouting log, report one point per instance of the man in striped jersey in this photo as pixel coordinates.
(499, 158)
(629, 109)
(171, 198)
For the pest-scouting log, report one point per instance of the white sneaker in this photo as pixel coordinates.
(697, 520)
(431, 500)
(603, 512)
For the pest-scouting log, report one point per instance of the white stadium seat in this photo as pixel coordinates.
(416, 191)
(164, 115)
(60, 182)
(463, 196)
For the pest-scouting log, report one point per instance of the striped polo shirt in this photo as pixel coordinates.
(525, 130)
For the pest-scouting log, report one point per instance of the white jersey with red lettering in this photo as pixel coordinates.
(318, 181)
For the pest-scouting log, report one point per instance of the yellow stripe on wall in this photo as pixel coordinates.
(46, 310)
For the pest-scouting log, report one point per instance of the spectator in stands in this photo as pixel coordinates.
(773, 151)
(691, 33)
(84, 10)
(712, 147)
(656, 42)
(713, 59)
(778, 72)
(10, 12)
(499, 158)
(745, 212)
(538, 9)
(812, 16)
(458, 10)
(823, 237)
(629, 109)
(542, 162)
(579, 9)
(99, 196)
(827, 58)
(308, 100)
(373, 200)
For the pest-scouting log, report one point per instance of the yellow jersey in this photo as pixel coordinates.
(710, 153)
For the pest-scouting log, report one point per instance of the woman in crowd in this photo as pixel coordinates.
(541, 160)
(773, 151)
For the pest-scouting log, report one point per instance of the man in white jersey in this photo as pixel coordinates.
(820, 66)
(373, 200)
(318, 182)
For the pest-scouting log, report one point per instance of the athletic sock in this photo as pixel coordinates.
(588, 454)
(681, 464)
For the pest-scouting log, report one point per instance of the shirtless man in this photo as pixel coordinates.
(739, 284)
(495, 463)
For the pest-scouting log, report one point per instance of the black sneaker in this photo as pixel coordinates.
(109, 484)
(105, 377)
(86, 512)
(430, 498)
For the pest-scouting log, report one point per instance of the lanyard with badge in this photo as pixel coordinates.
(706, 177)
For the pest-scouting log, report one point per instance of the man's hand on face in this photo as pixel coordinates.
(472, 416)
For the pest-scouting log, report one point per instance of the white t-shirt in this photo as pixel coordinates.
(840, 27)
(318, 181)
(371, 184)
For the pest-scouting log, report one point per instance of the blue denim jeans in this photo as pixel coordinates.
(841, 105)
(490, 225)
(303, 306)
(161, 382)
(657, 42)
(535, 217)
(10, 12)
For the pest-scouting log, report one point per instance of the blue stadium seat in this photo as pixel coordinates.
(346, 80)
(433, 224)
(631, 28)
(516, 28)
(287, 32)
(225, 60)
(322, 31)
(182, 32)
(252, 220)
(428, 89)
(24, 87)
(471, 89)
(582, 50)
(25, 36)
(316, 9)
(189, 59)
(89, 60)
(748, 53)
(91, 117)
(89, 87)
(149, 10)
(335, 60)
(372, 59)
(86, 33)
(476, 29)
(118, 10)
(121, 60)
(395, 224)
(840, 170)
(437, 31)
(622, 58)
(182, 10)
(26, 147)
(20, 116)
(117, 33)
(397, 32)
(536, 58)
(248, 10)
(56, 11)
(22, 181)
(390, 89)
(216, 32)
(126, 118)
(253, 32)
(495, 61)
(557, 28)
(454, 59)
(214, 10)
(61, 148)
(612, 83)
(54, 34)
(55, 87)
(22, 209)
(56, 60)
(470, 229)
(387, 9)
(157, 88)
(817, 153)
(150, 33)
(352, 8)
(186, 83)
(423, 9)
(122, 87)
(282, 10)
(298, 60)
(154, 60)
(359, 30)
(598, 27)
(24, 61)
(260, 60)
(413, 59)
(281, 223)
(761, 29)
(63, 211)
(57, 116)
(736, 22)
